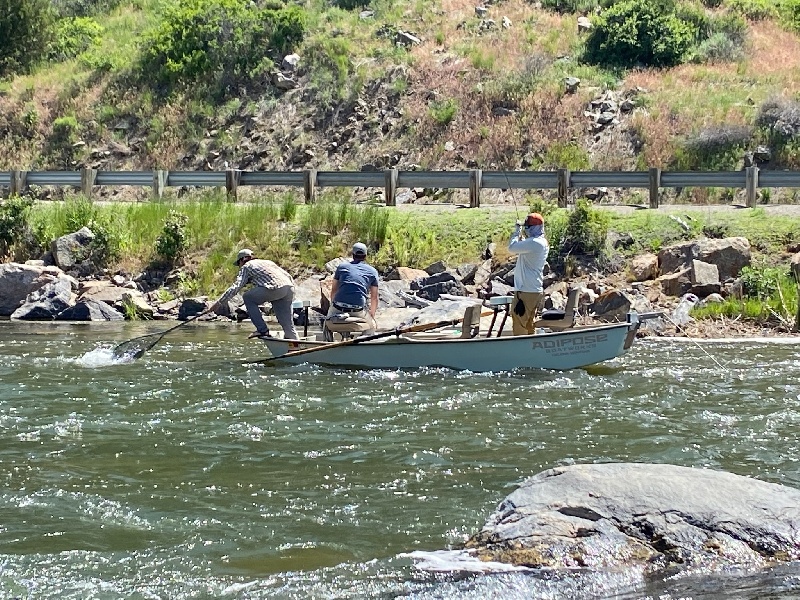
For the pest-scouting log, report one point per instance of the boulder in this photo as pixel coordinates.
(72, 249)
(17, 281)
(47, 302)
(191, 307)
(611, 307)
(704, 278)
(676, 284)
(644, 267)
(90, 310)
(728, 254)
(655, 517)
(389, 293)
(436, 268)
(405, 274)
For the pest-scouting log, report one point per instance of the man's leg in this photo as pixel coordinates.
(282, 299)
(253, 299)
(523, 324)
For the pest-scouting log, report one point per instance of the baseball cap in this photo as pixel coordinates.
(245, 252)
(534, 219)
(359, 248)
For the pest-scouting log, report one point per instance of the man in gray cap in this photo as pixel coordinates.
(355, 289)
(270, 284)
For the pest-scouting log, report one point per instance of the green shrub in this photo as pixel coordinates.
(718, 148)
(172, 242)
(586, 231)
(65, 131)
(13, 221)
(220, 44)
(330, 69)
(74, 36)
(789, 14)
(753, 10)
(106, 246)
(27, 28)
(570, 6)
(639, 33)
(761, 283)
(83, 8)
(718, 48)
(567, 155)
(443, 111)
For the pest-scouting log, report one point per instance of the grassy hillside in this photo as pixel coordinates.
(468, 90)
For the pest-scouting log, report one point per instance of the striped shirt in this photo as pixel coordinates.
(260, 272)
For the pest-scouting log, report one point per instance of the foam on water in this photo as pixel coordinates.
(450, 561)
(102, 357)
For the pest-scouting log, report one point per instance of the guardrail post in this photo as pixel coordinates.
(88, 177)
(232, 178)
(751, 186)
(655, 184)
(390, 187)
(160, 179)
(19, 182)
(563, 187)
(310, 185)
(475, 181)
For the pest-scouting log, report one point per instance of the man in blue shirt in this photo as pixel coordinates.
(355, 288)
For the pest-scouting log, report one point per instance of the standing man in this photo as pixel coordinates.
(531, 252)
(270, 284)
(355, 289)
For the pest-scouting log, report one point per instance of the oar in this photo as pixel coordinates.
(136, 347)
(398, 331)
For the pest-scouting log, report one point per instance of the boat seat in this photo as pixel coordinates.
(471, 325)
(560, 319)
(347, 326)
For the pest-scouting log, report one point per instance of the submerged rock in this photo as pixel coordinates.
(652, 516)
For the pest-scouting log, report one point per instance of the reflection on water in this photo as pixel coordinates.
(187, 473)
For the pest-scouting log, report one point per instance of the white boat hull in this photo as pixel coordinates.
(563, 350)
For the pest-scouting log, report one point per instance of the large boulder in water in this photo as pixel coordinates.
(649, 516)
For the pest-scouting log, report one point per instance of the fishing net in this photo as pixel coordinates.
(136, 347)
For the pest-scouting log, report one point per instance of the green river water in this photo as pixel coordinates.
(187, 474)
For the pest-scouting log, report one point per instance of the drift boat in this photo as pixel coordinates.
(403, 349)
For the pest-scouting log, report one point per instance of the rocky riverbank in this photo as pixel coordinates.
(64, 285)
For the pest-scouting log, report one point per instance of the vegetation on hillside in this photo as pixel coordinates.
(437, 84)
(187, 84)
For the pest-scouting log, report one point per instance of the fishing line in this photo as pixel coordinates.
(696, 343)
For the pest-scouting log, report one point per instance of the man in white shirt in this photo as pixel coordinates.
(531, 251)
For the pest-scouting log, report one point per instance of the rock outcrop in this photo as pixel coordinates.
(651, 516)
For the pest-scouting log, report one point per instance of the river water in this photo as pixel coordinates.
(188, 474)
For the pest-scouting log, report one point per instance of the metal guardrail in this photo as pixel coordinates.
(750, 179)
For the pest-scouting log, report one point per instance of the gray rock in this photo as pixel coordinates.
(17, 281)
(729, 254)
(650, 516)
(705, 278)
(47, 302)
(72, 249)
(290, 62)
(90, 310)
(436, 268)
